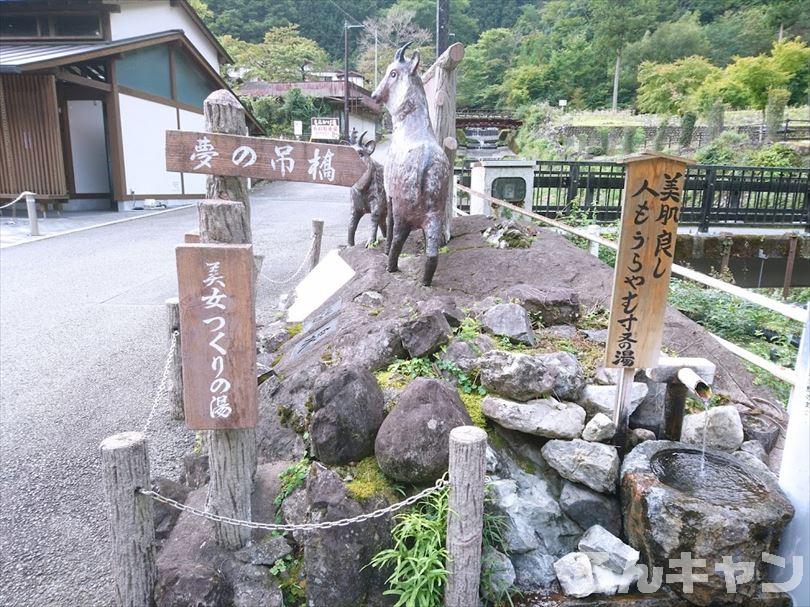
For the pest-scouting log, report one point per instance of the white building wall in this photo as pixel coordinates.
(143, 129)
(140, 17)
(88, 147)
(363, 122)
(189, 121)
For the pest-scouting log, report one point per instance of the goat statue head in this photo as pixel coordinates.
(400, 78)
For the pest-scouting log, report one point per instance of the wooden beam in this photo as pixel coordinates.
(74, 79)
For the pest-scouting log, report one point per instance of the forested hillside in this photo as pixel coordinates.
(671, 56)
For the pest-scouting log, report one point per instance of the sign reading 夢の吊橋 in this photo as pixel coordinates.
(217, 328)
(262, 158)
(653, 193)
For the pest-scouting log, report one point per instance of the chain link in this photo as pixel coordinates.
(440, 484)
(163, 390)
(297, 272)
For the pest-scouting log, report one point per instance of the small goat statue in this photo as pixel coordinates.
(417, 172)
(368, 194)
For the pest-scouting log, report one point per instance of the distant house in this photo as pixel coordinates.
(364, 112)
(88, 89)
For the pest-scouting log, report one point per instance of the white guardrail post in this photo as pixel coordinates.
(33, 221)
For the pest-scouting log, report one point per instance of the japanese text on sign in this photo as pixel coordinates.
(217, 330)
(650, 216)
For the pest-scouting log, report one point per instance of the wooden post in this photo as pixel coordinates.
(33, 220)
(175, 381)
(674, 409)
(593, 246)
(621, 417)
(232, 453)
(440, 88)
(465, 519)
(317, 235)
(791, 259)
(124, 470)
(224, 114)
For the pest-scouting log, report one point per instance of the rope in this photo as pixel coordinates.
(16, 200)
(162, 391)
(295, 274)
(438, 486)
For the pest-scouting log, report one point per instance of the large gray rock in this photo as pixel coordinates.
(464, 354)
(534, 571)
(755, 448)
(728, 509)
(348, 411)
(601, 399)
(497, 574)
(335, 559)
(425, 335)
(575, 574)
(761, 429)
(555, 306)
(272, 337)
(444, 304)
(721, 425)
(266, 552)
(545, 417)
(592, 464)
(649, 413)
(522, 377)
(599, 429)
(609, 582)
(509, 320)
(607, 550)
(254, 585)
(412, 445)
(588, 508)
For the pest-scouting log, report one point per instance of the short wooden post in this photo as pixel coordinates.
(33, 220)
(593, 247)
(317, 236)
(465, 519)
(174, 385)
(124, 470)
(621, 417)
(791, 260)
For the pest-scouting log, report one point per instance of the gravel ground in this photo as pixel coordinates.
(81, 352)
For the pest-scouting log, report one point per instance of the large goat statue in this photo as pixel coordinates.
(417, 172)
(368, 194)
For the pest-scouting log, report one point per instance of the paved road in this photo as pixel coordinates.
(81, 324)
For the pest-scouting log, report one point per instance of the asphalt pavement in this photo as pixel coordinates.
(82, 345)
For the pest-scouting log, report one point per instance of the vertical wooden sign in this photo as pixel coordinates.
(653, 191)
(217, 328)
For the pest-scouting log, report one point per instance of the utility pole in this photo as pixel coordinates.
(442, 25)
(376, 75)
(346, 28)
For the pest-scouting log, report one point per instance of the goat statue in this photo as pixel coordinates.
(417, 172)
(368, 194)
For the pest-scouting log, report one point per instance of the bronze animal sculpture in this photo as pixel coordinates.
(417, 172)
(368, 194)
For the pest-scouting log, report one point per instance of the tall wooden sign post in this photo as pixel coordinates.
(653, 192)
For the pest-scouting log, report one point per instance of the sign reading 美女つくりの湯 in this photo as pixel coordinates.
(653, 191)
(217, 327)
(324, 129)
(262, 158)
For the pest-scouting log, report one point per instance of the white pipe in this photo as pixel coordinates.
(694, 383)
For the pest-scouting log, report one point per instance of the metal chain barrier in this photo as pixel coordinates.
(438, 486)
(297, 272)
(163, 391)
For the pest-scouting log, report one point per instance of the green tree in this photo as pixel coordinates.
(281, 57)
(739, 33)
(201, 8)
(490, 15)
(668, 88)
(481, 74)
(617, 23)
(793, 58)
(753, 77)
(461, 23)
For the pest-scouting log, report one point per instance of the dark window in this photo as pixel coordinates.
(510, 189)
(146, 69)
(77, 26)
(19, 26)
(192, 86)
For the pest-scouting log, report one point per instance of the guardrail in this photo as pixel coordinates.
(792, 312)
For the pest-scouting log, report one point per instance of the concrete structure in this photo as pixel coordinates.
(510, 180)
(88, 91)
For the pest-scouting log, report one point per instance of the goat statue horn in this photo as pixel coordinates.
(360, 141)
(400, 54)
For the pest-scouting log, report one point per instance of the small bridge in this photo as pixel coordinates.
(476, 118)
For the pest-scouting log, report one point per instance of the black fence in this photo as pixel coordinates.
(713, 195)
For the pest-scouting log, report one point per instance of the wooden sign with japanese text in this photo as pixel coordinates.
(653, 191)
(217, 329)
(262, 158)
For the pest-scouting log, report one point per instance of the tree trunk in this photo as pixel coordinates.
(440, 89)
(616, 72)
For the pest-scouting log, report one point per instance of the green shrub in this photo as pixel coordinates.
(661, 135)
(722, 150)
(688, 121)
(775, 110)
(715, 119)
(776, 155)
(628, 140)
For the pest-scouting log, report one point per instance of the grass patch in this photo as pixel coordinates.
(368, 481)
(589, 353)
(473, 402)
(291, 479)
(295, 328)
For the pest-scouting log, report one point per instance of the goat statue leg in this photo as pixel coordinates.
(389, 230)
(433, 238)
(400, 235)
(356, 217)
